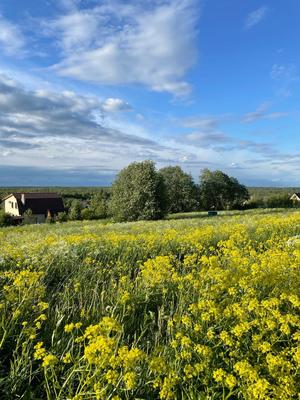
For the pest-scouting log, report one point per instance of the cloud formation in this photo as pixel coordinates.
(64, 130)
(150, 43)
(262, 113)
(255, 17)
(42, 113)
(12, 40)
(115, 104)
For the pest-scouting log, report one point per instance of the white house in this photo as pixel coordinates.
(295, 197)
(41, 205)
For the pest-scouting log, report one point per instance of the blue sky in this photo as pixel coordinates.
(88, 86)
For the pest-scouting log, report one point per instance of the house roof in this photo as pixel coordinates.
(297, 194)
(39, 203)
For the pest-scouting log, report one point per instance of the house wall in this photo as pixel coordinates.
(11, 206)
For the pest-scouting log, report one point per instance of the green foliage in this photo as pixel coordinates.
(219, 191)
(5, 219)
(279, 201)
(29, 218)
(181, 191)
(87, 214)
(99, 204)
(138, 193)
(61, 217)
(273, 200)
(75, 210)
(98, 207)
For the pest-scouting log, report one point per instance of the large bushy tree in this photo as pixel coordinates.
(138, 193)
(220, 191)
(181, 191)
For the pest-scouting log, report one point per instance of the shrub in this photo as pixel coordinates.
(5, 219)
(61, 217)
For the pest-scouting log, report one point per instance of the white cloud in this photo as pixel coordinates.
(208, 139)
(202, 123)
(11, 38)
(255, 17)
(284, 72)
(115, 104)
(262, 113)
(63, 129)
(284, 76)
(151, 43)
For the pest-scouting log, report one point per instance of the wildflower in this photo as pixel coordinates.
(112, 376)
(264, 347)
(125, 297)
(43, 306)
(40, 352)
(130, 357)
(67, 358)
(49, 360)
(230, 381)
(219, 375)
(69, 327)
(167, 391)
(130, 380)
(158, 365)
(77, 286)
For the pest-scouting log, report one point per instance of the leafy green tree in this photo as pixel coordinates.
(220, 191)
(138, 193)
(75, 210)
(239, 193)
(5, 219)
(99, 204)
(181, 191)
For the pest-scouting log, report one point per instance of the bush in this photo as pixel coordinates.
(138, 193)
(29, 218)
(61, 217)
(5, 219)
(88, 213)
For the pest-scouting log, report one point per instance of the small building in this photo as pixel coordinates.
(40, 204)
(295, 197)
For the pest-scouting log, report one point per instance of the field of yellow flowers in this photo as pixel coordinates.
(185, 309)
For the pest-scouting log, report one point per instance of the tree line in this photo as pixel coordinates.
(141, 192)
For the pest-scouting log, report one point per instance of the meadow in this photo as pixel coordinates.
(187, 308)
